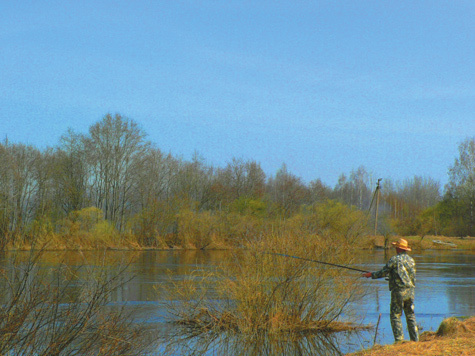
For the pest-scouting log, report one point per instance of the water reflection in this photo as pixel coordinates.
(445, 287)
(51, 311)
(185, 343)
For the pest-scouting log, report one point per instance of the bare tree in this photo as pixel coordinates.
(406, 201)
(355, 190)
(6, 198)
(241, 179)
(19, 187)
(420, 192)
(361, 183)
(319, 191)
(154, 177)
(152, 200)
(114, 146)
(71, 176)
(461, 184)
(255, 180)
(287, 192)
(192, 183)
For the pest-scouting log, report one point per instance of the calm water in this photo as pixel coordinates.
(445, 287)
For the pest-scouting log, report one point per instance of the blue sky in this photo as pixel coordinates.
(322, 86)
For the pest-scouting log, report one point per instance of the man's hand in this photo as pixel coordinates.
(367, 274)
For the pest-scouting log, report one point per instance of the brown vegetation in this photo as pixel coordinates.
(41, 314)
(259, 291)
(418, 243)
(111, 188)
(454, 337)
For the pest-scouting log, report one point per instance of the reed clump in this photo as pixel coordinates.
(256, 291)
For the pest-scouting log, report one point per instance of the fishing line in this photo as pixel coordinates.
(321, 262)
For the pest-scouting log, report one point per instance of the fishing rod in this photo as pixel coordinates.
(324, 263)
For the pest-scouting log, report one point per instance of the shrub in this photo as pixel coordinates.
(262, 292)
(40, 316)
(87, 228)
(196, 229)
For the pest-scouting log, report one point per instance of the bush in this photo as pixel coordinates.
(41, 317)
(262, 292)
(152, 225)
(87, 228)
(196, 230)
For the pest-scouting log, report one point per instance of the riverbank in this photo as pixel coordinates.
(418, 243)
(454, 337)
(365, 243)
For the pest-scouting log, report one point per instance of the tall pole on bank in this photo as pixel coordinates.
(377, 206)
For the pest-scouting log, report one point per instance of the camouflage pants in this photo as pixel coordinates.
(403, 299)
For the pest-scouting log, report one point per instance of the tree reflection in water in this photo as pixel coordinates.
(183, 341)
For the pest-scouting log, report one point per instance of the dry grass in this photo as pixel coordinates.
(260, 292)
(41, 315)
(95, 241)
(454, 338)
(425, 243)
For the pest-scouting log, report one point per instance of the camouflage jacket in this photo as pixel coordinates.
(401, 270)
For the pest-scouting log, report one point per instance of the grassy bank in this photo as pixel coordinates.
(99, 240)
(419, 243)
(454, 337)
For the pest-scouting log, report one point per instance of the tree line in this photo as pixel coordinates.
(113, 182)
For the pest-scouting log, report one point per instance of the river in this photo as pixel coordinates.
(445, 287)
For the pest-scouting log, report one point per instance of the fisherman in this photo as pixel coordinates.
(401, 270)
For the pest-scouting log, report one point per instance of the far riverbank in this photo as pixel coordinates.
(368, 242)
(418, 243)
